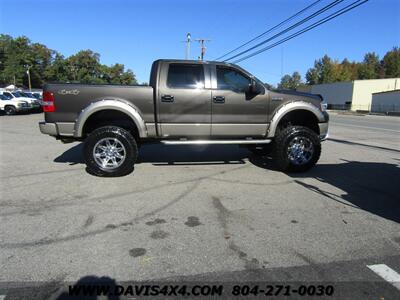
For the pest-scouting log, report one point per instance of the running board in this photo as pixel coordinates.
(214, 142)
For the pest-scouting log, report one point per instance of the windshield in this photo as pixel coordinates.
(28, 94)
(17, 94)
(8, 95)
(2, 97)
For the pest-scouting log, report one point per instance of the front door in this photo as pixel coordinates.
(184, 103)
(234, 112)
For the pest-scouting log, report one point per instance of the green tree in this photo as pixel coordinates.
(290, 82)
(322, 72)
(57, 70)
(312, 76)
(84, 67)
(348, 71)
(17, 54)
(370, 67)
(391, 63)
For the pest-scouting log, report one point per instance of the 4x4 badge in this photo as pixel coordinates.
(68, 92)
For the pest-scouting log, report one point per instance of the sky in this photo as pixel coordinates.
(137, 32)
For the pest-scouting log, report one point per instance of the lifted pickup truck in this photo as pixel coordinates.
(187, 102)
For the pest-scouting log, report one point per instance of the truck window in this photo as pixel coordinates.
(229, 79)
(185, 76)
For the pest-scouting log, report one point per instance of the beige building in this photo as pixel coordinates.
(355, 95)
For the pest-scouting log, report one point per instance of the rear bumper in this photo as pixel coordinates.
(48, 128)
(61, 129)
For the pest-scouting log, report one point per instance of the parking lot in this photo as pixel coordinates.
(202, 213)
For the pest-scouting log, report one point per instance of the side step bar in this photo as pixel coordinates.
(214, 142)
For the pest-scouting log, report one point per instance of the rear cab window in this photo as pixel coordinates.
(185, 76)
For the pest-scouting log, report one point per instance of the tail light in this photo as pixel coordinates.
(48, 102)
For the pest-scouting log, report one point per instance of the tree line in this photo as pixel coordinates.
(47, 65)
(327, 70)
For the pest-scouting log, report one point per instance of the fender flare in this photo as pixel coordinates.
(114, 104)
(291, 106)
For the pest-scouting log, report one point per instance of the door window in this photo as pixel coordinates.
(185, 76)
(7, 94)
(229, 79)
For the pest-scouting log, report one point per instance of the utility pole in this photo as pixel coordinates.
(29, 77)
(188, 40)
(203, 48)
(281, 61)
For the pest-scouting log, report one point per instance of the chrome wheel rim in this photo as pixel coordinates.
(300, 150)
(109, 153)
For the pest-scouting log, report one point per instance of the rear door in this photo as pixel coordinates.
(184, 104)
(236, 113)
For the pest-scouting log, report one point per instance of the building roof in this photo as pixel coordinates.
(387, 92)
(358, 80)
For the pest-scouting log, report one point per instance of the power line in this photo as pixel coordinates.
(308, 28)
(318, 12)
(271, 29)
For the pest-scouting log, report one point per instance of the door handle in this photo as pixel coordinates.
(219, 99)
(167, 98)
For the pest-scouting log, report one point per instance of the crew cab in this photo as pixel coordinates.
(186, 102)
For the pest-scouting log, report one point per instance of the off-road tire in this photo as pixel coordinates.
(124, 137)
(10, 110)
(281, 144)
(260, 150)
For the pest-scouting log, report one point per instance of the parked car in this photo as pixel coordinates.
(11, 107)
(32, 96)
(16, 95)
(27, 94)
(187, 102)
(37, 96)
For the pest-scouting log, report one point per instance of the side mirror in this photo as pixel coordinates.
(254, 88)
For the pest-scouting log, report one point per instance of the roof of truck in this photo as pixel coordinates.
(194, 61)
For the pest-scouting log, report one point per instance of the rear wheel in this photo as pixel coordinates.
(10, 110)
(296, 149)
(110, 151)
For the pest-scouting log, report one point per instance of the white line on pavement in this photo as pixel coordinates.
(387, 273)
(2, 297)
(361, 126)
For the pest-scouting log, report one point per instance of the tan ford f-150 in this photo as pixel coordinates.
(186, 102)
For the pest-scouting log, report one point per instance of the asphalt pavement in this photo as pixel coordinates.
(209, 213)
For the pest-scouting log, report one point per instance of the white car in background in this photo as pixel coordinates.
(17, 95)
(11, 107)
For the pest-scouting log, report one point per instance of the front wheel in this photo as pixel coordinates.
(296, 149)
(10, 110)
(110, 151)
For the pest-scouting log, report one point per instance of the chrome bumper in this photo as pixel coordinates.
(323, 131)
(57, 129)
(48, 128)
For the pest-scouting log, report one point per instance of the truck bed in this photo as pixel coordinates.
(71, 99)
